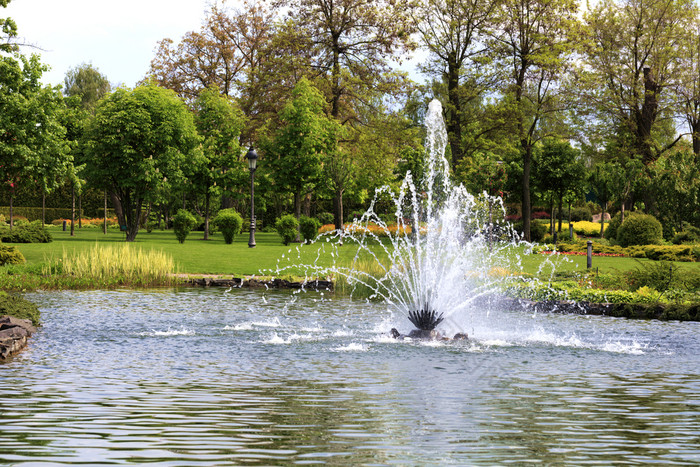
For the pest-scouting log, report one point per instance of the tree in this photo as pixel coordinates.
(560, 171)
(603, 181)
(633, 61)
(452, 31)
(31, 136)
(87, 84)
(138, 142)
(219, 122)
(305, 136)
(534, 41)
(8, 32)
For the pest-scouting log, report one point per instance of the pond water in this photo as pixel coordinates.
(215, 377)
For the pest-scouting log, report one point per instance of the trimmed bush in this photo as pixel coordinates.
(614, 224)
(287, 228)
(10, 255)
(16, 306)
(308, 226)
(642, 229)
(581, 213)
(183, 223)
(229, 222)
(33, 232)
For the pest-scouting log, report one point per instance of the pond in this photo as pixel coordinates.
(229, 377)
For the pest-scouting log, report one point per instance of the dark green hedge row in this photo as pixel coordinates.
(34, 214)
(654, 252)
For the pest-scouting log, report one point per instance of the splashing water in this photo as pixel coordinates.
(440, 254)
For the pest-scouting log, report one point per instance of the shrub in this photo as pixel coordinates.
(540, 215)
(308, 226)
(537, 230)
(689, 234)
(588, 228)
(614, 224)
(288, 228)
(33, 232)
(581, 213)
(10, 255)
(325, 218)
(662, 276)
(642, 229)
(230, 224)
(18, 307)
(183, 223)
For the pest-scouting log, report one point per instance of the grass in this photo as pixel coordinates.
(199, 257)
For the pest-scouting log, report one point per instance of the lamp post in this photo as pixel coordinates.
(252, 157)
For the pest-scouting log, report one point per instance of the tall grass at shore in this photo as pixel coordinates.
(122, 264)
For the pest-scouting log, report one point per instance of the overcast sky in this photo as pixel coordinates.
(119, 38)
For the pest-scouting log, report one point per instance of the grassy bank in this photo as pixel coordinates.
(94, 257)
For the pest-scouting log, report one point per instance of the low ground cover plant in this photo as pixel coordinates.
(16, 306)
(25, 232)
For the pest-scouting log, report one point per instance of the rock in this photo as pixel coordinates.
(426, 335)
(10, 322)
(13, 335)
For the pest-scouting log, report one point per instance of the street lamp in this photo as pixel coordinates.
(252, 157)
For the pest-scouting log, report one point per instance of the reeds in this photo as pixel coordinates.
(120, 264)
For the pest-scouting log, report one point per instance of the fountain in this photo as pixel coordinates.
(437, 257)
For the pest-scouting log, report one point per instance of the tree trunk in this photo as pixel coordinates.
(602, 219)
(297, 212)
(454, 116)
(43, 207)
(338, 209)
(306, 205)
(80, 211)
(72, 211)
(104, 225)
(12, 210)
(206, 214)
(526, 206)
(118, 208)
(561, 212)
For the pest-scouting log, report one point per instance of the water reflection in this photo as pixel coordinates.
(206, 378)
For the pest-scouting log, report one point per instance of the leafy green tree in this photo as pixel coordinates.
(632, 63)
(8, 32)
(87, 84)
(603, 180)
(534, 42)
(304, 138)
(138, 142)
(219, 122)
(452, 31)
(31, 135)
(560, 171)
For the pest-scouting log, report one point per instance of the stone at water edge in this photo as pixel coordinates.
(427, 335)
(13, 335)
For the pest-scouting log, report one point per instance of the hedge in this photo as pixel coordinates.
(34, 214)
(685, 253)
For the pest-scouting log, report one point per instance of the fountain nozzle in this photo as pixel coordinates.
(425, 320)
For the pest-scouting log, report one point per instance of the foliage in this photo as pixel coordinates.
(581, 213)
(614, 224)
(16, 306)
(123, 264)
(33, 232)
(643, 229)
(229, 222)
(305, 136)
(10, 255)
(662, 276)
(138, 144)
(87, 84)
(219, 122)
(308, 226)
(288, 228)
(537, 230)
(183, 223)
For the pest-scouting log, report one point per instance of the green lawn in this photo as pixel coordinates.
(197, 256)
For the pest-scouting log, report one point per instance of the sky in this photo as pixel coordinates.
(118, 38)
